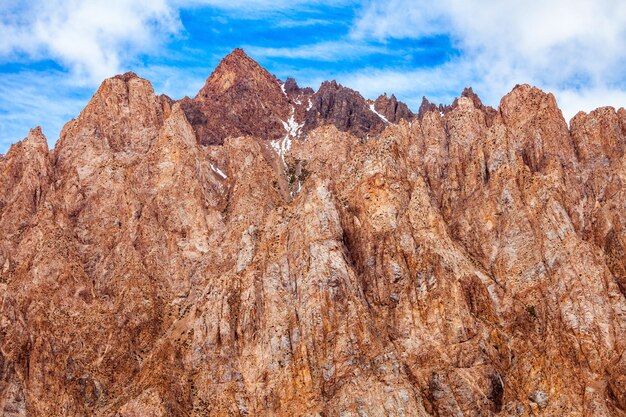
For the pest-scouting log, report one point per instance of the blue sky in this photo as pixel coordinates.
(55, 53)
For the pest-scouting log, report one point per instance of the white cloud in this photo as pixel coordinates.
(399, 19)
(248, 7)
(173, 81)
(435, 83)
(91, 38)
(571, 101)
(574, 48)
(94, 39)
(322, 51)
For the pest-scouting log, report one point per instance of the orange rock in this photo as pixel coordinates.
(248, 252)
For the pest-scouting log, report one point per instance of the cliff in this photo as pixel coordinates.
(263, 249)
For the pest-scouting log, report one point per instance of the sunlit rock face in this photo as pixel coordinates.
(265, 249)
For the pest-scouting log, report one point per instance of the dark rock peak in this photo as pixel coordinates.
(425, 107)
(292, 88)
(167, 98)
(239, 98)
(333, 84)
(392, 109)
(344, 108)
(238, 59)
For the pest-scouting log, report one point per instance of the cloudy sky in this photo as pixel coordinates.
(55, 53)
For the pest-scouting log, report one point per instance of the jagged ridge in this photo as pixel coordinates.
(263, 249)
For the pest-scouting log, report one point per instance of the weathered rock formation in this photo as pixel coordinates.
(392, 109)
(263, 249)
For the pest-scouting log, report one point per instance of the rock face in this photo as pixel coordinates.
(263, 249)
(392, 109)
(239, 98)
(344, 108)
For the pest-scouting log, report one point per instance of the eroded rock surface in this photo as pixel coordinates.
(264, 249)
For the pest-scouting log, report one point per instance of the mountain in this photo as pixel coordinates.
(265, 249)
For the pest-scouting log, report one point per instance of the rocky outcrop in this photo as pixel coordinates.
(392, 109)
(239, 98)
(427, 106)
(242, 98)
(344, 108)
(25, 177)
(263, 249)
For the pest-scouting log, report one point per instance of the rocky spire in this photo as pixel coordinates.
(237, 72)
(345, 108)
(425, 107)
(392, 109)
(239, 98)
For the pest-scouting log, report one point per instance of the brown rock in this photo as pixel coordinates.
(392, 109)
(344, 108)
(425, 107)
(239, 98)
(201, 257)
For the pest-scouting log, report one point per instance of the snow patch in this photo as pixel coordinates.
(310, 105)
(217, 171)
(293, 129)
(384, 119)
(291, 126)
(281, 146)
(282, 87)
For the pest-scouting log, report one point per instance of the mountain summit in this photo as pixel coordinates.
(242, 98)
(239, 98)
(238, 71)
(263, 249)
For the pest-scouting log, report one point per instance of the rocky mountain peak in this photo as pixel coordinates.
(237, 72)
(124, 115)
(292, 88)
(345, 108)
(524, 101)
(469, 93)
(264, 249)
(425, 107)
(239, 98)
(242, 98)
(36, 140)
(126, 76)
(392, 109)
(539, 129)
